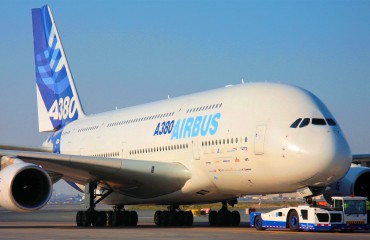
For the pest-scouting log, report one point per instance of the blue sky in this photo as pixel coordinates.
(124, 53)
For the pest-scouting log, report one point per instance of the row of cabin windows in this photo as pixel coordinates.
(107, 155)
(203, 108)
(135, 120)
(223, 141)
(88, 128)
(159, 149)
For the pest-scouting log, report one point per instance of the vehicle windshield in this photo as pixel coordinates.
(354, 207)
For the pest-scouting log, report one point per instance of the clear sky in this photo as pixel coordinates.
(124, 53)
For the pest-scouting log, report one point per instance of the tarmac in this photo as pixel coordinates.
(58, 222)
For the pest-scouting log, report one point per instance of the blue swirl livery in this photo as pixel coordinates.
(57, 99)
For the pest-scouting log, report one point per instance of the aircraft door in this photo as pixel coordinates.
(259, 139)
(195, 147)
(124, 150)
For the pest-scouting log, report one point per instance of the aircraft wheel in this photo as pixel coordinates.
(223, 218)
(99, 219)
(212, 218)
(133, 218)
(293, 221)
(117, 218)
(189, 218)
(258, 223)
(235, 218)
(79, 218)
(125, 218)
(165, 218)
(86, 219)
(158, 218)
(109, 218)
(181, 218)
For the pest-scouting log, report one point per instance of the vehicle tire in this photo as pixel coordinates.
(258, 223)
(293, 221)
(235, 218)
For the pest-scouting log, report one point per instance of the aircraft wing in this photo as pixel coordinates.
(359, 158)
(135, 178)
(25, 148)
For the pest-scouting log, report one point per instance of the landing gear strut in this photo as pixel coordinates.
(91, 217)
(224, 217)
(173, 217)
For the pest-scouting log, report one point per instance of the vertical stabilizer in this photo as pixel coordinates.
(57, 99)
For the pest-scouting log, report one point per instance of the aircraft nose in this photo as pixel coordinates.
(329, 158)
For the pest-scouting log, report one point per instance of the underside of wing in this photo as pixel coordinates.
(361, 158)
(135, 178)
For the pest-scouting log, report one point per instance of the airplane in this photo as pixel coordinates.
(206, 147)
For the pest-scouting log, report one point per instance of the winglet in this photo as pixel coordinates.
(57, 99)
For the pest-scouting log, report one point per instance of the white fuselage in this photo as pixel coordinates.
(235, 141)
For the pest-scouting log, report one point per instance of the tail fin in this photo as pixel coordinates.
(57, 99)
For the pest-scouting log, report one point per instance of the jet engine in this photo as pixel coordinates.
(355, 183)
(24, 187)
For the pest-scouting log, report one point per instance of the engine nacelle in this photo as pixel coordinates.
(355, 183)
(24, 187)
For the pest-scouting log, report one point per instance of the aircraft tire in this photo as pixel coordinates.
(79, 218)
(158, 218)
(133, 218)
(86, 219)
(189, 218)
(109, 218)
(117, 218)
(235, 218)
(212, 218)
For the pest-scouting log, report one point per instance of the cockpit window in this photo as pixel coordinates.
(318, 121)
(331, 122)
(296, 123)
(304, 123)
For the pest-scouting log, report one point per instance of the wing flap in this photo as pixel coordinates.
(135, 178)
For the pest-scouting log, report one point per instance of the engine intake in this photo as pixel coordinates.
(24, 187)
(355, 183)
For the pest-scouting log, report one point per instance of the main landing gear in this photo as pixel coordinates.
(91, 217)
(173, 217)
(224, 217)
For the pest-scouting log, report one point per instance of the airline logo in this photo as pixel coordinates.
(53, 78)
(189, 127)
